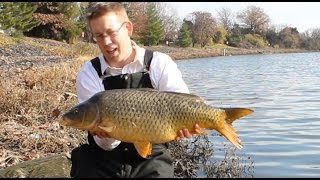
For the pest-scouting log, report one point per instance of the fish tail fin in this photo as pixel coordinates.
(228, 131)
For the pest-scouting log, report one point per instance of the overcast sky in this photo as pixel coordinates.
(302, 15)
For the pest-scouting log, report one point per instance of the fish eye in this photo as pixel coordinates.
(76, 110)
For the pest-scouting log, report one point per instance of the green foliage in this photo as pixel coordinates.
(272, 37)
(289, 38)
(17, 17)
(184, 36)
(190, 25)
(242, 37)
(59, 21)
(220, 36)
(154, 28)
(70, 9)
(236, 35)
(75, 24)
(72, 32)
(52, 21)
(234, 39)
(256, 40)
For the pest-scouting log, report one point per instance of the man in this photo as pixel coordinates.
(122, 64)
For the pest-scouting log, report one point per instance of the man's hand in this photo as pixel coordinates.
(182, 133)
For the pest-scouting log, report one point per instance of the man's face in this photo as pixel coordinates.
(112, 34)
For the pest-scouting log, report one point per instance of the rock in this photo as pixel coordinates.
(55, 166)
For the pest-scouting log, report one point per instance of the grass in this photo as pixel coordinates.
(32, 99)
(30, 104)
(5, 40)
(221, 46)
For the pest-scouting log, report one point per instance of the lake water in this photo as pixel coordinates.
(282, 136)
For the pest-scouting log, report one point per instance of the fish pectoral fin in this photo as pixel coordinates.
(107, 126)
(107, 129)
(143, 148)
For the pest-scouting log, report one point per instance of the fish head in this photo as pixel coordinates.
(82, 116)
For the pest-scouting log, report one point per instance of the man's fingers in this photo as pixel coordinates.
(183, 133)
(180, 134)
(186, 133)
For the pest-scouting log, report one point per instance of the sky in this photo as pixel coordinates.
(302, 15)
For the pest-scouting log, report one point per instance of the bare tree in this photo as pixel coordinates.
(311, 39)
(289, 37)
(170, 19)
(279, 27)
(255, 19)
(136, 13)
(203, 26)
(226, 18)
(315, 39)
(168, 15)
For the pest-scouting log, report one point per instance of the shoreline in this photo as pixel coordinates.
(40, 46)
(177, 53)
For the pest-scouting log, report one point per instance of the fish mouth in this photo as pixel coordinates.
(63, 122)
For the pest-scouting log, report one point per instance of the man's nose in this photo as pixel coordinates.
(106, 40)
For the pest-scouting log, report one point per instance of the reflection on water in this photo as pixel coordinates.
(282, 136)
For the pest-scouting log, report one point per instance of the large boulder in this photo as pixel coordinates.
(55, 166)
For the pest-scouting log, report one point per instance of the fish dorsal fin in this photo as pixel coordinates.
(143, 148)
(171, 92)
(146, 89)
(185, 95)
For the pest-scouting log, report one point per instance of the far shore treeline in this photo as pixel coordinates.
(157, 23)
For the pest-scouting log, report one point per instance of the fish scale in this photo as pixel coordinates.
(147, 116)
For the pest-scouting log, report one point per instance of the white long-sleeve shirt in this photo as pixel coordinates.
(164, 76)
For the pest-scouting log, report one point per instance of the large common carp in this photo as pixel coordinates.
(146, 116)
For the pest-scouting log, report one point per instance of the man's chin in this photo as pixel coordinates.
(111, 57)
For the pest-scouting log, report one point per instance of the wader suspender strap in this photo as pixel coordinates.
(147, 58)
(147, 61)
(97, 66)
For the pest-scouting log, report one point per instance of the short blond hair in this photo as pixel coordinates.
(98, 9)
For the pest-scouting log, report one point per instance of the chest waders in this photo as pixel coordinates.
(123, 161)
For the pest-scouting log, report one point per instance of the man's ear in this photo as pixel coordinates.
(129, 26)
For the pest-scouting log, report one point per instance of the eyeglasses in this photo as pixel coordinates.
(111, 34)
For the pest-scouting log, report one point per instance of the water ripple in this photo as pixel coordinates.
(283, 134)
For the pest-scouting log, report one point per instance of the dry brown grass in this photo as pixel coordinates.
(30, 104)
(32, 99)
(4, 40)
